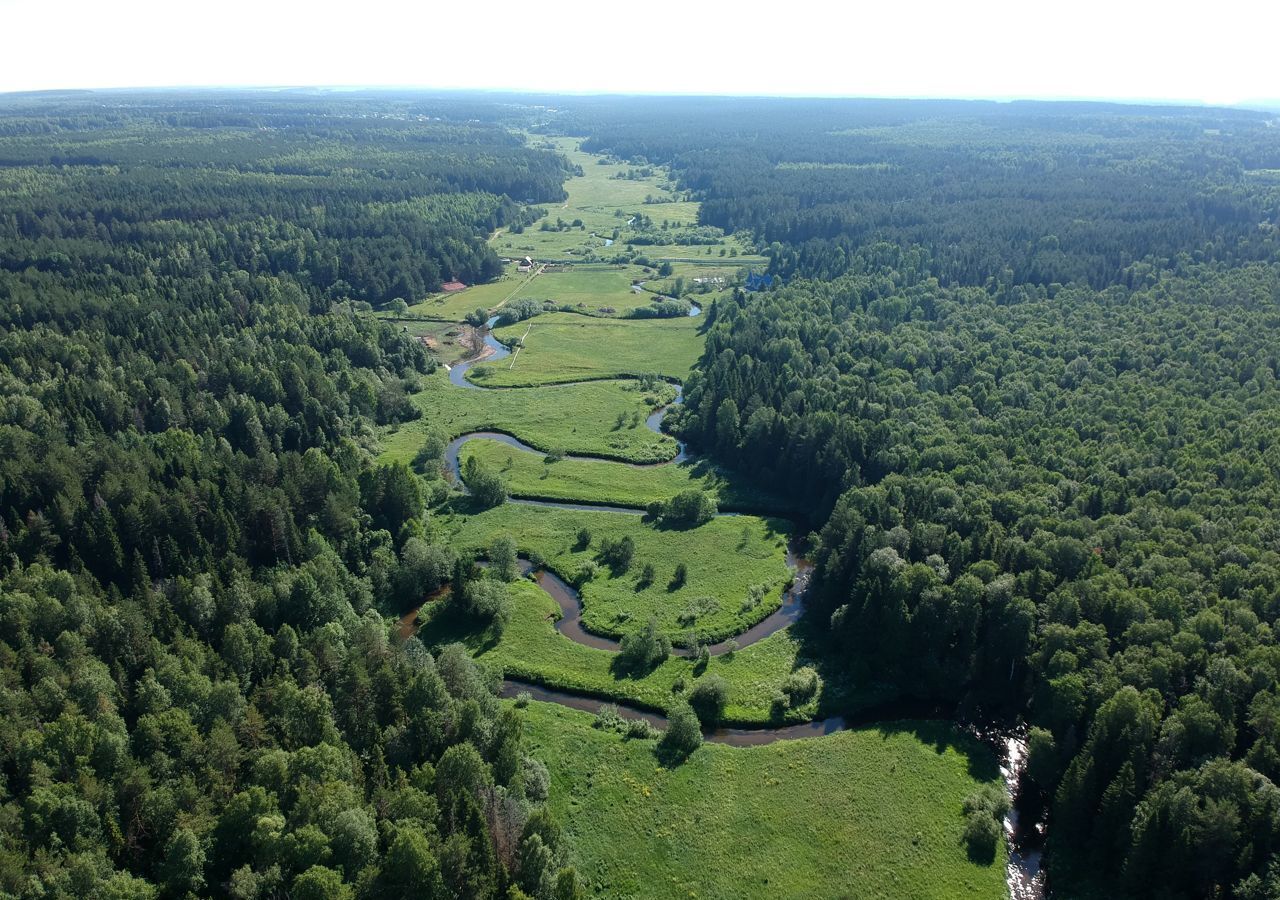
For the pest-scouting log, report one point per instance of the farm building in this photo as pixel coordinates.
(450, 286)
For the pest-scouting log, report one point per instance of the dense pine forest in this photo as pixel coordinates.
(201, 693)
(1025, 369)
(1017, 364)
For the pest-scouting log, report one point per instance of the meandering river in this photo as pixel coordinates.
(1023, 873)
(570, 603)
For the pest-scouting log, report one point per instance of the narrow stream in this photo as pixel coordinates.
(734, 737)
(495, 350)
(654, 424)
(453, 450)
(895, 711)
(570, 603)
(1023, 872)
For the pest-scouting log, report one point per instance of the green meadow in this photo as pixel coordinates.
(688, 270)
(566, 246)
(532, 650)
(872, 812)
(456, 306)
(604, 203)
(724, 559)
(615, 484)
(600, 200)
(577, 418)
(560, 347)
(596, 288)
(680, 212)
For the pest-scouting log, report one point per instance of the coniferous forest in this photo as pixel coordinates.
(1019, 364)
(1024, 368)
(199, 692)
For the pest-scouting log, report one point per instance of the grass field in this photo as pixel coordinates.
(724, 558)
(575, 244)
(577, 418)
(604, 203)
(592, 288)
(696, 254)
(532, 650)
(691, 269)
(683, 212)
(562, 347)
(597, 481)
(867, 813)
(448, 344)
(455, 307)
(596, 197)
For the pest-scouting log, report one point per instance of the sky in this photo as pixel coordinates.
(1224, 52)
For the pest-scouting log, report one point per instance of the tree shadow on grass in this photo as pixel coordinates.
(943, 735)
(462, 504)
(982, 850)
(883, 706)
(449, 625)
(623, 669)
(670, 757)
(706, 319)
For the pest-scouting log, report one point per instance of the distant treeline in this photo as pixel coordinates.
(1017, 193)
(370, 209)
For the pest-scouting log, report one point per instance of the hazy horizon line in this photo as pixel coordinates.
(1259, 104)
